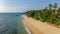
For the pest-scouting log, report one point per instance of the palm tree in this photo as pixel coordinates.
(55, 6)
(50, 6)
(45, 8)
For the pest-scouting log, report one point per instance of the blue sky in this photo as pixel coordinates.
(23, 5)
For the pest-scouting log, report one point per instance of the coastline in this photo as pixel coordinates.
(37, 27)
(27, 29)
(32, 29)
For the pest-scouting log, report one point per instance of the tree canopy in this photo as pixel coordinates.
(48, 14)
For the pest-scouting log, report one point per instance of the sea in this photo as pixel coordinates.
(12, 23)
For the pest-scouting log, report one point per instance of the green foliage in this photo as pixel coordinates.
(57, 22)
(46, 15)
(55, 5)
(59, 10)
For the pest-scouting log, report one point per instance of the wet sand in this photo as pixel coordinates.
(37, 27)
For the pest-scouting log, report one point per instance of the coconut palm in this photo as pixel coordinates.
(45, 8)
(55, 6)
(50, 6)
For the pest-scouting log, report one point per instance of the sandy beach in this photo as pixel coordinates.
(31, 27)
(37, 27)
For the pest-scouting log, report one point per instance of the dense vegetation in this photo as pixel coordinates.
(50, 14)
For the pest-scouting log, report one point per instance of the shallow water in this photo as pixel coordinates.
(11, 23)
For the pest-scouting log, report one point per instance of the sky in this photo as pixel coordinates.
(24, 5)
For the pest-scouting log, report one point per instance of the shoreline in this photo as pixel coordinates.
(27, 29)
(38, 27)
(32, 29)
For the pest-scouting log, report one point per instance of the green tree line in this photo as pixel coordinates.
(50, 14)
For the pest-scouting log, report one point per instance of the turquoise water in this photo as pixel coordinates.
(12, 23)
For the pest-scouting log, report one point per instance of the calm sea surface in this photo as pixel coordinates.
(11, 23)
